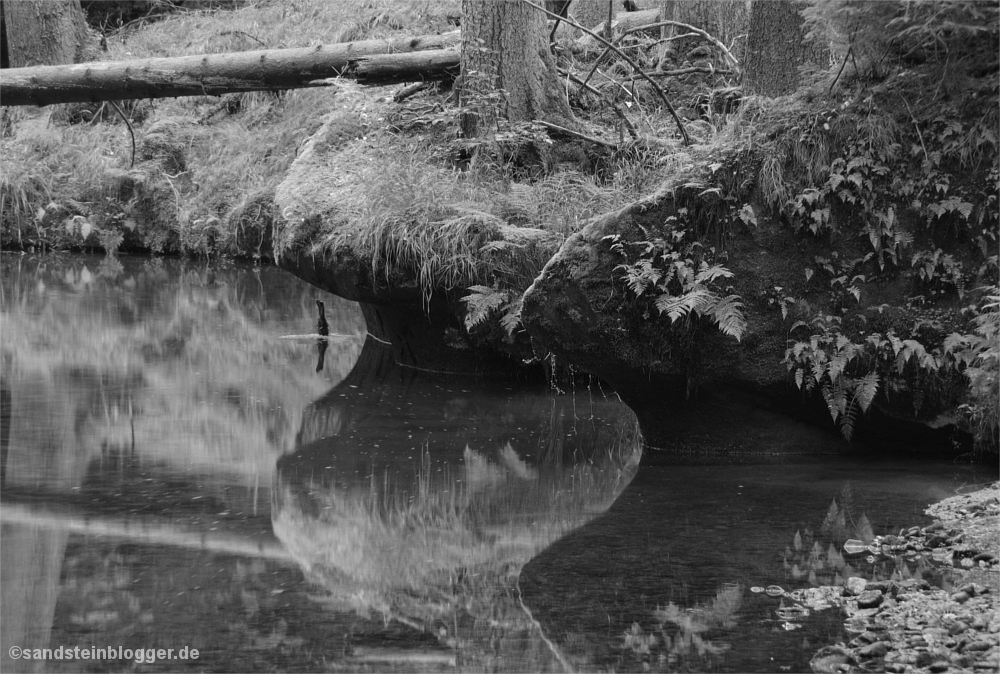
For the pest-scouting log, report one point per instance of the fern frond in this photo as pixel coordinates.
(709, 274)
(728, 313)
(480, 303)
(866, 390)
(511, 318)
(694, 302)
(848, 420)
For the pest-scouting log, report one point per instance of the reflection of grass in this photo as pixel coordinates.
(453, 538)
(681, 641)
(185, 367)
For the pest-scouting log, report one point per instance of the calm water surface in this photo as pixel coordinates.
(186, 465)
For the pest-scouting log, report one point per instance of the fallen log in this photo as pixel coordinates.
(386, 69)
(210, 74)
(624, 21)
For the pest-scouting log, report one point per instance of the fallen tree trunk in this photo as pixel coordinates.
(385, 69)
(212, 74)
(623, 21)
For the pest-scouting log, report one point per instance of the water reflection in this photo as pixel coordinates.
(143, 407)
(420, 496)
(662, 580)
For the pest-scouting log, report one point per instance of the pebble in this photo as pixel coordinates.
(855, 585)
(875, 650)
(906, 626)
(869, 599)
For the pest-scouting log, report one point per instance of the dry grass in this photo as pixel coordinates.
(233, 150)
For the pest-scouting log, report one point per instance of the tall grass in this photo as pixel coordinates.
(235, 149)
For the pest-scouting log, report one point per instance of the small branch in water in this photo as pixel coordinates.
(323, 328)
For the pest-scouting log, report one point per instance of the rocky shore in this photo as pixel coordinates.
(908, 625)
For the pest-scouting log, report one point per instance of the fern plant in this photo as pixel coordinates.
(483, 301)
(681, 279)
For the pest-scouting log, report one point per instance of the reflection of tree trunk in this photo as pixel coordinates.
(31, 559)
(44, 450)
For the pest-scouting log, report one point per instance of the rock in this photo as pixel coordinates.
(875, 650)
(927, 658)
(832, 660)
(870, 599)
(886, 587)
(978, 646)
(854, 586)
(960, 597)
(937, 541)
(957, 628)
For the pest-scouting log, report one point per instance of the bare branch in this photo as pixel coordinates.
(698, 31)
(635, 66)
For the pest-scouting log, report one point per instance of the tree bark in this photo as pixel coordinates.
(42, 32)
(507, 69)
(218, 74)
(776, 48)
(727, 20)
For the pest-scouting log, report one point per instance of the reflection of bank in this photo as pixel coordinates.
(421, 495)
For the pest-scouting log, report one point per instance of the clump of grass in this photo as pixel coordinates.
(230, 150)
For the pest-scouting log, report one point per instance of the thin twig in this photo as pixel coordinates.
(842, 64)
(629, 126)
(240, 32)
(406, 92)
(614, 106)
(913, 117)
(581, 136)
(683, 71)
(697, 31)
(130, 132)
(635, 66)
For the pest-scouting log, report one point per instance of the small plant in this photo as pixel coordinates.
(939, 272)
(483, 301)
(681, 279)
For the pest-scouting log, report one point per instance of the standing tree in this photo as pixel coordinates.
(42, 32)
(776, 48)
(725, 19)
(507, 68)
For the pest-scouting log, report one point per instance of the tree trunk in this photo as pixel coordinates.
(726, 20)
(776, 48)
(217, 74)
(507, 69)
(42, 32)
(591, 13)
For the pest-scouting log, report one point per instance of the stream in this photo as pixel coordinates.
(186, 464)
